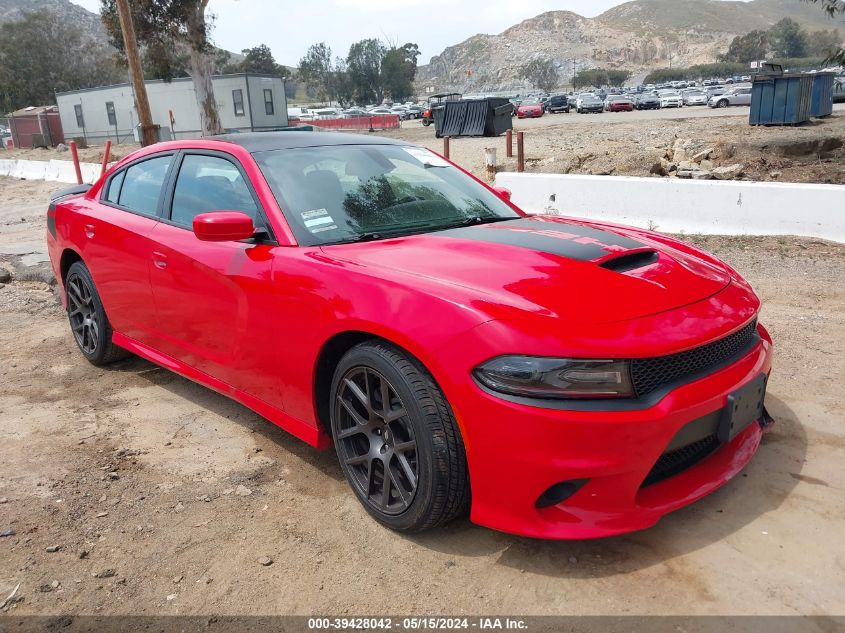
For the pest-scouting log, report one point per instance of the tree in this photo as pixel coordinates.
(748, 48)
(40, 54)
(398, 69)
(824, 43)
(163, 26)
(259, 60)
(541, 73)
(833, 8)
(364, 68)
(315, 70)
(600, 77)
(787, 39)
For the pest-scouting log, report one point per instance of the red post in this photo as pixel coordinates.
(509, 143)
(106, 154)
(75, 155)
(520, 151)
(446, 146)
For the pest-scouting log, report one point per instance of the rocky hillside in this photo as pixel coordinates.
(637, 35)
(87, 22)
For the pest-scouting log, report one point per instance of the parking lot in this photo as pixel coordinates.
(205, 489)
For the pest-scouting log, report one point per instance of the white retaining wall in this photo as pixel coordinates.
(690, 206)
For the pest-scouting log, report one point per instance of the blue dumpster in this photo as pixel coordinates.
(781, 99)
(822, 103)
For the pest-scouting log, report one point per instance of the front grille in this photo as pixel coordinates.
(679, 460)
(649, 374)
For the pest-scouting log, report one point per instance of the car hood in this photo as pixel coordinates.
(547, 265)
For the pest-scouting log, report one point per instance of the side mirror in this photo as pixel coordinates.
(223, 226)
(503, 192)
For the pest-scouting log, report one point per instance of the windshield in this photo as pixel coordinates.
(348, 193)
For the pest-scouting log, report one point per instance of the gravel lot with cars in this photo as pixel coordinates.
(129, 489)
(633, 144)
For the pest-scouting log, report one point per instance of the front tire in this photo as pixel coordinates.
(88, 321)
(723, 103)
(397, 440)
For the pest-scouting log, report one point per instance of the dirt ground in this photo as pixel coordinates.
(130, 490)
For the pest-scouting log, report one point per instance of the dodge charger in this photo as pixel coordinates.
(553, 377)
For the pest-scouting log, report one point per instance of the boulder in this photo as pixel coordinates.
(728, 172)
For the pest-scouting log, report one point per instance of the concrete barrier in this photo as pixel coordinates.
(90, 172)
(686, 206)
(30, 169)
(53, 170)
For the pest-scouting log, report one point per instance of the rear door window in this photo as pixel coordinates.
(142, 185)
(209, 183)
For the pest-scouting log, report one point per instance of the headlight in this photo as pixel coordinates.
(536, 377)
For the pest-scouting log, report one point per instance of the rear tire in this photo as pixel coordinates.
(411, 446)
(88, 321)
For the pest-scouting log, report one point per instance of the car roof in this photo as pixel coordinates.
(267, 141)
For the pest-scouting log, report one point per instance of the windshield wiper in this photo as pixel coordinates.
(473, 221)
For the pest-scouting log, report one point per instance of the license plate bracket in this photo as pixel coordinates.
(744, 407)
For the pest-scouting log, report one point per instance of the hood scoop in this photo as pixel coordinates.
(631, 260)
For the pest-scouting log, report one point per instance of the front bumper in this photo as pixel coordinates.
(517, 452)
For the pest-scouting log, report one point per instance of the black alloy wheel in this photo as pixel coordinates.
(396, 439)
(89, 324)
(84, 319)
(376, 441)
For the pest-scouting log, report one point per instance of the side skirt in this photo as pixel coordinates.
(296, 427)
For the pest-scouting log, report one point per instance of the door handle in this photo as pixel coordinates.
(160, 260)
(89, 231)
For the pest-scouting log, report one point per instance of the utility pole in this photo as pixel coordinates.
(148, 130)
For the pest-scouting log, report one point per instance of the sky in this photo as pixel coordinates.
(289, 27)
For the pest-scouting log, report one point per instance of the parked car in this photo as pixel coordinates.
(589, 103)
(401, 112)
(619, 103)
(414, 112)
(694, 97)
(670, 99)
(736, 96)
(268, 267)
(558, 103)
(647, 101)
(355, 113)
(327, 113)
(530, 109)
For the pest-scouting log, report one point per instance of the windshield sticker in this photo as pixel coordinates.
(426, 157)
(318, 220)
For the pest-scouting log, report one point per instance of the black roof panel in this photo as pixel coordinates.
(267, 141)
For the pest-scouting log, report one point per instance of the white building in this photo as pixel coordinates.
(245, 102)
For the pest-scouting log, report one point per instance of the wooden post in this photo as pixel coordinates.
(148, 130)
(446, 146)
(490, 161)
(106, 153)
(520, 151)
(509, 143)
(75, 155)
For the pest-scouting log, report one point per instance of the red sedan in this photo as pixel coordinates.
(619, 104)
(530, 109)
(560, 378)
